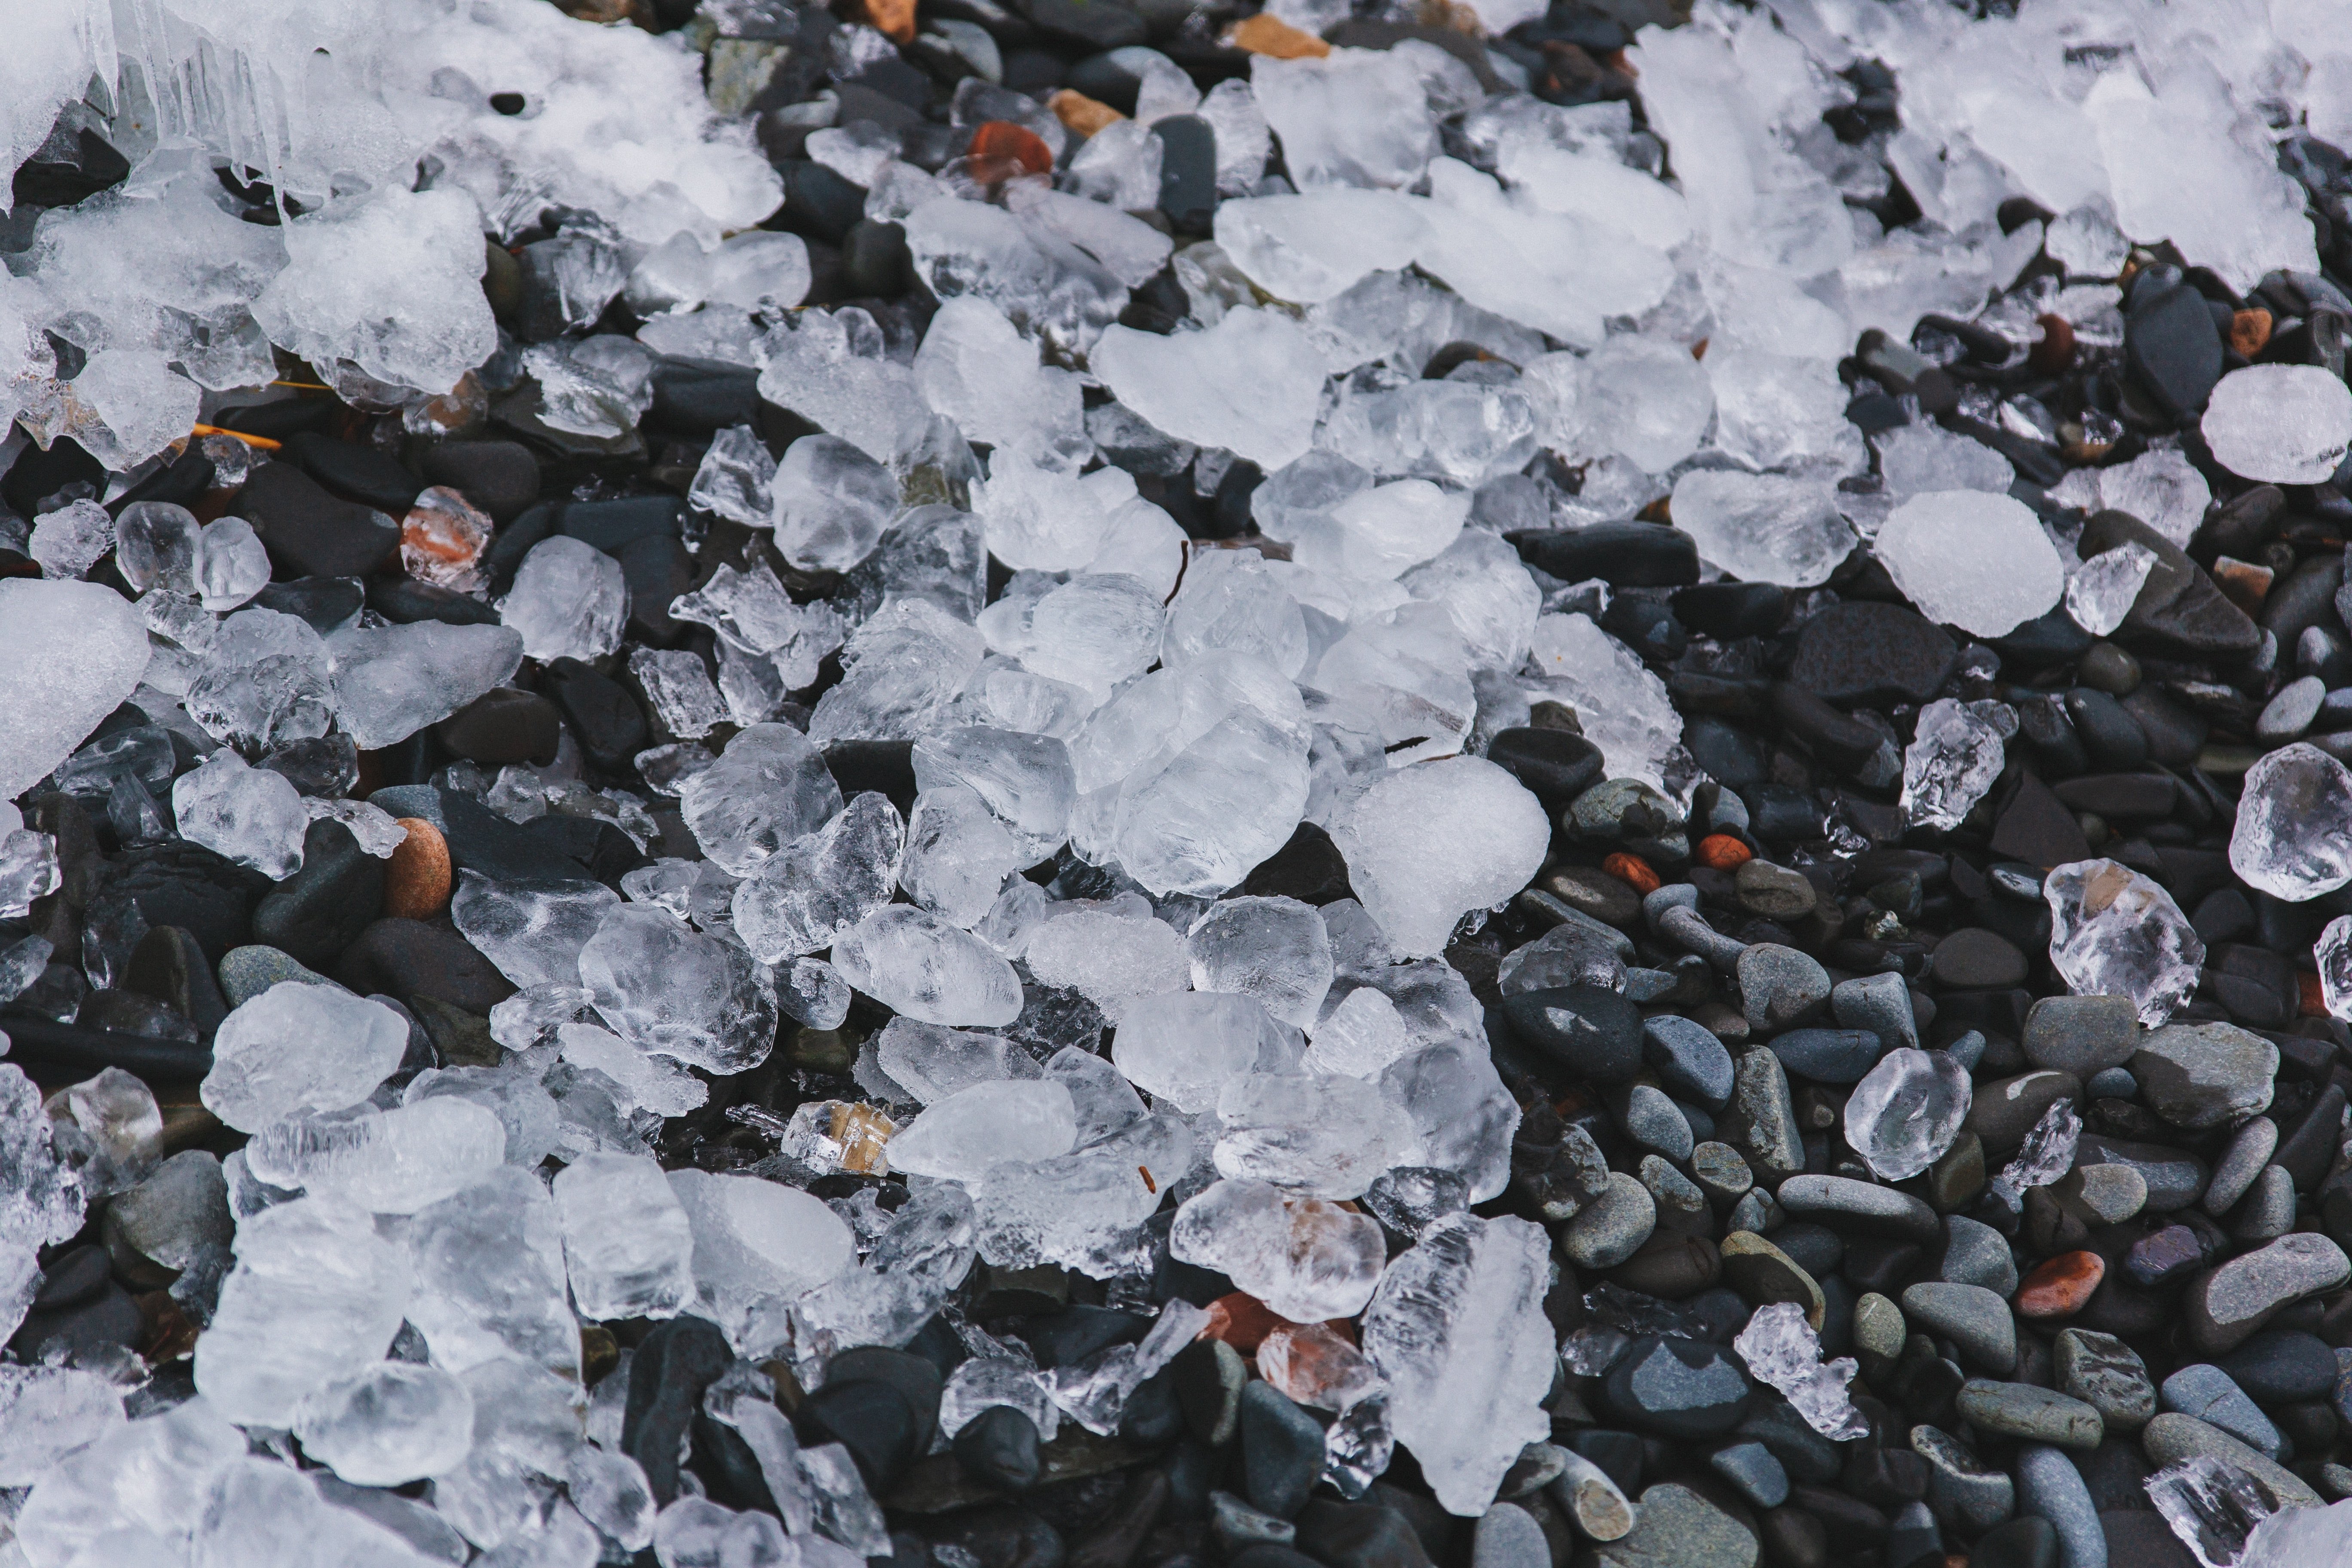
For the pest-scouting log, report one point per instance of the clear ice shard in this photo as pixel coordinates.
(1306, 1258)
(385, 1162)
(2334, 954)
(2281, 423)
(316, 1295)
(1906, 1111)
(768, 787)
(2047, 1153)
(1183, 1047)
(391, 1423)
(1764, 528)
(1274, 951)
(250, 815)
(1315, 246)
(819, 887)
(46, 1413)
(391, 681)
(1975, 560)
(756, 1240)
(532, 931)
(960, 1137)
(1780, 1347)
(1622, 703)
(2115, 932)
(1249, 383)
(919, 965)
(568, 601)
(489, 1264)
(41, 1198)
(832, 502)
(2301, 1535)
(299, 1047)
(1430, 843)
(2294, 834)
(2216, 1509)
(1456, 1327)
(735, 480)
(2101, 591)
(627, 1242)
(668, 988)
(1954, 758)
(1327, 1136)
(70, 654)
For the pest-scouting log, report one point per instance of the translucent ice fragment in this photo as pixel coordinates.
(755, 1238)
(385, 1162)
(960, 1137)
(1976, 561)
(1274, 951)
(735, 478)
(1313, 246)
(2334, 952)
(1953, 757)
(806, 896)
(2101, 591)
(568, 601)
(1906, 1111)
(2294, 834)
(299, 1047)
(1109, 959)
(916, 963)
(1427, 844)
(1328, 1136)
(2281, 423)
(2047, 1153)
(627, 1244)
(1305, 1259)
(532, 931)
(1248, 384)
(70, 654)
(394, 1422)
(316, 1295)
(832, 502)
(391, 681)
(1764, 528)
(959, 853)
(669, 989)
(768, 787)
(2115, 932)
(67, 541)
(1780, 1347)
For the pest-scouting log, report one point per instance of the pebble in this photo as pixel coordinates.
(160, 1226)
(1753, 1471)
(1778, 986)
(1971, 1316)
(411, 958)
(669, 1372)
(2103, 1194)
(311, 533)
(1976, 959)
(1678, 1388)
(1773, 891)
(1720, 1172)
(2196, 1075)
(2175, 1178)
(1282, 1450)
(1829, 1055)
(2033, 1415)
(1864, 651)
(2048, 1488)
(1556, 765)
(321, 909)
(1976, 1253)
(999, 1448)
(2235, 1172)
(1688, 1060)
(1210, 1375)
(2206, 1393)
(1760, 1119)
(2226, 1306)
(1611, 1228)
(2080, 1034)
(1861, 1207)
(1588, 1494)
(869, 1417)
(1622, 554)
(2267, 1211)
(1678, 1527)
(502, 726)
(416, 880)
(2108, 1376)
(2142, 1538)
(2005, 1109)
(1960, 1486)
(1878, 1328)
(2171, 1437)
(2282, 1366)
(1591, 1031)
(1651, 1120)
(1762, 1273)
(1879, 1003)
(247, 971)
(1508, 1536)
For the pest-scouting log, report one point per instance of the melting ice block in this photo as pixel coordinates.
(70, 654)
(1978, 561)
(1250, 384)
(1427, 844)
(299, 1047)
(2294, 833)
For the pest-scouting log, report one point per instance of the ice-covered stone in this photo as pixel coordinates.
(568, 601)
(391, 681)
(1306, 1258)
(2115, 932)
(1906, 1111)
(394, 1422)
(1780, 1347)
(1457, 1329)
(70, 654)
(1432, 842)
(316, 1295)
(627, 1243)
(2282, 424)
(1763, 528)
(668, 988)
(1248, 384)
(1976, 561)
(916, 963)
(1955, 756)
(299, 1047)
(2292, 839)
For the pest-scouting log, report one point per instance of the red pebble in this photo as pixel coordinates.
(2061, 1286)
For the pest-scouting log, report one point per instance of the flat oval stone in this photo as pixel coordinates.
(1591, 1031)
(1773, 891)
(1971, 1316)
(1778, 986)
(1622, 554)
(2033, 1415)
(1763, 1274)
(1829, 1055)
(2106, 1374)
(2206, 1393)
(2062, 1285)
(2174, 1176)
(2081, 1035)
(1866, 651)
(1961, 1485)
(2226, 1306)
(1850, 1204)
(1678, 1388)
(1556, 765)
(1753, 1472)
(2196, 1075)
(1976, 1253)
(1688, 1058)
(2281, 1366)
(1611, 1228)
(1974, 959)
(2050, 1487)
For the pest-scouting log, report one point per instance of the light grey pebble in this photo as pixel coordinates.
(2050, 1487)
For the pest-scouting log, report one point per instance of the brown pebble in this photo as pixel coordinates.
(416, 878)
(2062, 1287)
(2055, 350)
(2249, 330)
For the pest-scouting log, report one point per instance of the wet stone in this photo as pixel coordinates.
(1590, 1031)
(1973, 1317)
(2225, 1307)
(2032, 1414)
(1864, 652)
(2281, 1366)
(2106, 1374)
(1678, 1388)
(1779, 986)
(1828, 1056)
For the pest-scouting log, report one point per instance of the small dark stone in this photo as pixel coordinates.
(173, 883)
(170, 966)
(2172, 346)
(2027, 1542)
(357, 473)
(656, 570)
(1188, 169)
(311, 533)
(2136, 1538)
(502, 726)
(874, 260)
(612, 525)
(868, 1417)
(403, 601)
(97, 1326)
(700, 397)
(1689, 1060)
(2108, 733)
(1623, 554)
(1863, 651)
(1974, 959)
(327, 603)
(1097, 24)
(1282, 1450)
(2281, 1366)
(999, 1448)
(1209, 1376)
(1075, 1332)
(610, 725)
(1678, 1388)
(480, 839)
(672, 1366)
(915, 1378)
(1727, 610)
(130, 1013)
(1360, 1534)
(500, 477)
(415, 958)
(1829, 1055)
(75, 1276)
(322, 907)
(1591, 1030)
(1555, 765)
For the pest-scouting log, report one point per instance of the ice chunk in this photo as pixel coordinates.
(388, 282)
(2046, 1154)
(755, 1238)
(1109, 959)
(1976, 561)
(2115, 932)
(1314, 246)
(828, 366)
(931, 1063)
(391, 681)
(1780, 1347)
(1093, 632)
(70, 654)
(2292, 839)
(1354, 117)
(1327, 1136)
(1434, 841)
(526, 1429)
(316, 1295)
(2103, 590)
(1305, 1259)
(639, 1081)
(668, 988)
(1249, 383)
(960, 1137)
(532, 931)
(818, 886)
(1461, 1118)
(394, 1422)
(627, 1243)
(1025, 779)
(1232, 599)
(1650, 401)
(677, 685)
(901, 671)
(734, 479)
(1046, 286)
(831, 503)
(1956, 755)
(1915, 459)
(977, 369)
(489, 1264)
(1623, 706)
(1777, 411)
(387, 1161)
(2159, 487)
(250, 815)
(1457, 1329)
(2334, 954)
(2283, 424)
(1378, 533)
(67, 541)
(2218, 1510)
(46, 1413)
(915, 963)
(1128, 249)
(1764, 528)
(41, 1198)
(1274, 951)
(1359, 1037)
(768, 787)
(299, 1047)
(1183, 1047)
(568, 601)
(957, 855)
(1562, 274)
(1906, 1111)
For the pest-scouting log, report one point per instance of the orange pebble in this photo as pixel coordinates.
(2054, 351)
(1242, 1321)
(2061, 1286)
(1002, 142)
(1723, 852)
(1268, 35)
(1633, 869)
(2315, 1000)
(1084, 115)
(417, 878)
(2249, 330)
